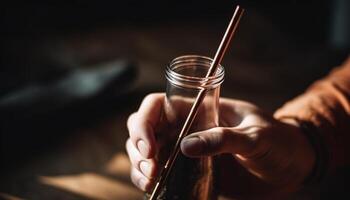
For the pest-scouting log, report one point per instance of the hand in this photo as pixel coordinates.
(259, 155)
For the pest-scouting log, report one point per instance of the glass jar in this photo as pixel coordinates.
(190, 178)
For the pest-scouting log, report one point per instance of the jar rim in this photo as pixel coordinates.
(187, 81)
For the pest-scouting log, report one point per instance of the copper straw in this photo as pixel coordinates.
(201, 94)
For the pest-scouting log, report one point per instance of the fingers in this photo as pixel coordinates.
(218, 140)
(143, 170)
(140, 180)
(141, 125)
(146, 166)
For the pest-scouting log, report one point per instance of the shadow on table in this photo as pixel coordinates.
(111, 182)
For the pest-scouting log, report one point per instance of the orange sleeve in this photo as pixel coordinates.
(326, 106)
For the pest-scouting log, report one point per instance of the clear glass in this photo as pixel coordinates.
(191, 178)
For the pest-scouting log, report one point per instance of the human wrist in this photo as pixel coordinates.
(321, 155)
(309, 130)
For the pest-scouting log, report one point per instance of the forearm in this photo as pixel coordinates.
(326, 106)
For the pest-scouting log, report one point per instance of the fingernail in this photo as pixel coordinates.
(143, 148)
(192, 146)
(145, 168)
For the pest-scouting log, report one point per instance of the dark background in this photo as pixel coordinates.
(26, 27)
(281, 47)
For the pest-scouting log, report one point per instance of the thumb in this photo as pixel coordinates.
(216, 141)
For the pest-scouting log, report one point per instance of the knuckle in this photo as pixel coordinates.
(224, 139)
(134, 177)
(215, 141)
(150, 97)
(132, 124)
(131, 119)
(221, 135)
(139, 180)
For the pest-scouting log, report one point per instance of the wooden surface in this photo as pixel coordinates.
(263, 65)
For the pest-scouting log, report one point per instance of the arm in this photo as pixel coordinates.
(326, 106)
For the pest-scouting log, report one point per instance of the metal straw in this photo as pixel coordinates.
(201, 94)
